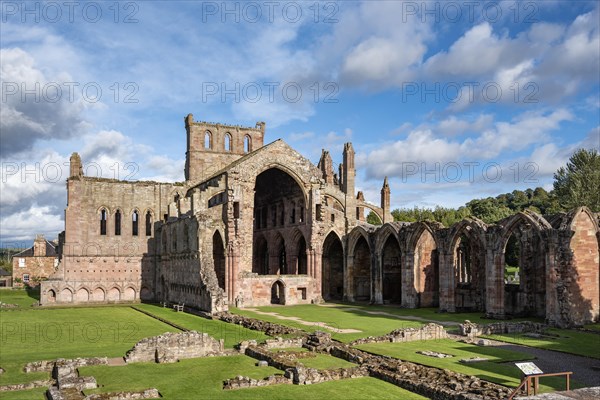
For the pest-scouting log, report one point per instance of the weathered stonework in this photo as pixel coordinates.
(498, 328)
(257, 224)
(426, 332)
(171, 347)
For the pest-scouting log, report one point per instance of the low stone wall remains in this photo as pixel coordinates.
(426, 332)
(268, 328)
(171, 347)
(473, 330)
(48, 366)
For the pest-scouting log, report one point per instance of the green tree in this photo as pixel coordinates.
(489, 210)
(578, 183)
(373, 219)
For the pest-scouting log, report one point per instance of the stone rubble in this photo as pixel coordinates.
(427, 332)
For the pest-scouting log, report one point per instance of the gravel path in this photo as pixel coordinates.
(554, 361)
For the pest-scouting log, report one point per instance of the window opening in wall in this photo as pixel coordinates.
(134, 223)
(103, 222)
(207, 140)
(148, 224)
(118, 222)
(227, 142)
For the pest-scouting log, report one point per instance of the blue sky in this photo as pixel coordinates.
(451, 100)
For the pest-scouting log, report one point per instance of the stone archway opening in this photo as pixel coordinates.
(469, 272)
(427, 270)
(332, 278)
(219, 258)
(391, 262)
(361, 271)
(279, 212)
(524, 271)
(277, 293)
(301, 259)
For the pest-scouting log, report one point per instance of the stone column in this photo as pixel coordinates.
(494, 266)
(348, 279)
(409, 293)
(376, 279)
(447, 283)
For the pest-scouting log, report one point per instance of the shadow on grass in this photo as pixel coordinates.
(33, 292)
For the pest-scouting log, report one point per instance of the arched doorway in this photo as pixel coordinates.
(361, 271)
(219, 258)
(332, 278)
(524, 269)
(260, 261)
(391, 262)
(302, 265)
(426, 270)
(277, 293)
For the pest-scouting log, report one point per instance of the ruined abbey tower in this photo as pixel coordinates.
(255, 224)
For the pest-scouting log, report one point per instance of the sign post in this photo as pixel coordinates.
(530, 369)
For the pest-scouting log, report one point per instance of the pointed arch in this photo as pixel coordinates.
(103, 218)
(584, 290)
(82, 295)
(247, 144)
(332, 276)
(466, 276)
(424, 247)
(218, 253)
(135, 220)
(227, 142)
(527, 297)
(260, 260)
(118, 218)
(148, 222)
(208, 140)
(360, 269)
(391, 268)
(99, 294)
(278, 292)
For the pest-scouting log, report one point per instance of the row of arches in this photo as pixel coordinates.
(98, 294)
(118, 222)
(503, 269)
(274, 255)
(228, 145)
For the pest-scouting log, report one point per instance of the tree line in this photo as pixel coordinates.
(576, 184)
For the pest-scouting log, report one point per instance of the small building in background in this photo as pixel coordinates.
(5, 278)
(36, 263)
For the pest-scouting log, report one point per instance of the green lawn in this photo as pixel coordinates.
(203, 379)
(429, 314)
(233, 334)
(493, 370)
(593, 327)
(39, 393)
(23, 298)
(368, 325)
(47, 334)
(569, 341)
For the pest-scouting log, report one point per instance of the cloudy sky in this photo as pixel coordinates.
(451, 100)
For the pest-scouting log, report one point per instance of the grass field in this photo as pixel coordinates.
(31, 334)
(366, 324)
(47, 334)
(569, 341)
(232, 334)
(492, 370)
(21, 297)
(203, 378)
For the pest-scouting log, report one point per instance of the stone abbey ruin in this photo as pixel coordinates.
(257, 224)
